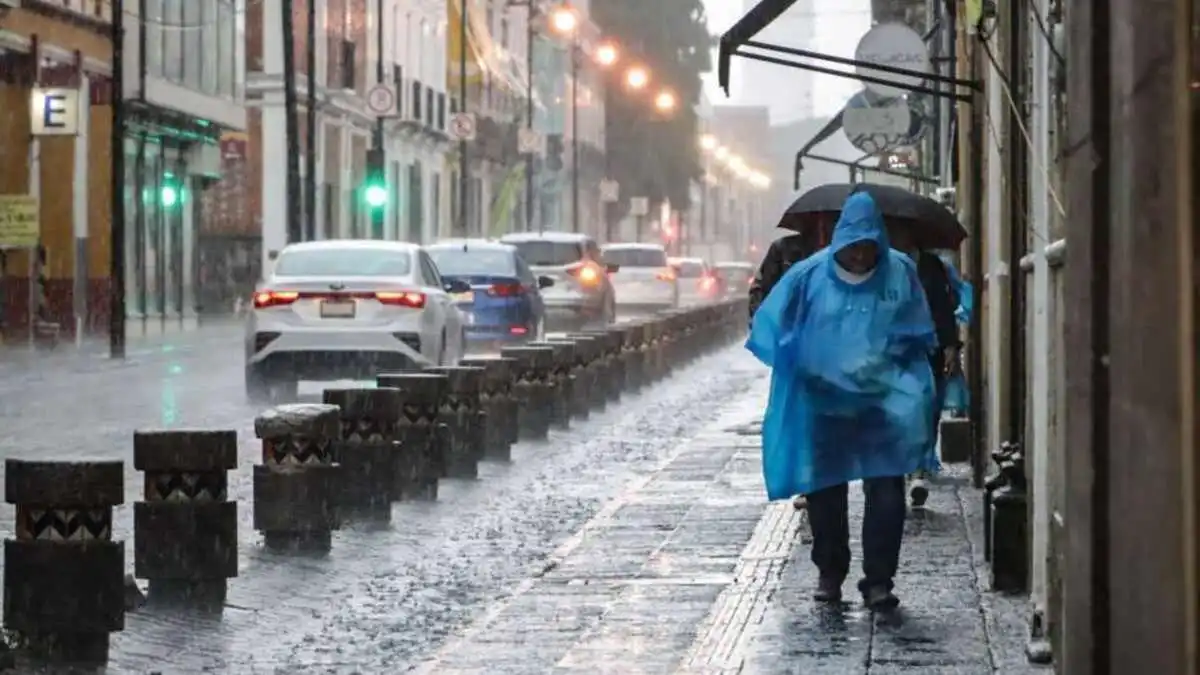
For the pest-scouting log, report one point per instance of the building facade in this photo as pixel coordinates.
(348, 55)
(183, 91)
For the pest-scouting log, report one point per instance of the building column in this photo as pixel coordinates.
(346, 191)
(274, 141)
(1038, 316)
(997, 270)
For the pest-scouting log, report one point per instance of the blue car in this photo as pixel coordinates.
(504, 304)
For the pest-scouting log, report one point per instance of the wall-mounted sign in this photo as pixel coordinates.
(898, 46)
(54, 112)
(19, 222)
(874, 125)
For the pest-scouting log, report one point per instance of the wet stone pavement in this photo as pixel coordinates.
(386, 596)
(688, 572)
(636, 542)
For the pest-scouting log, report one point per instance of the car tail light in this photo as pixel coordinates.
(505, 290)
(411, 299)
(518, 330)
(588, 273)
(666, 275)
(265, 299)
(708, 283)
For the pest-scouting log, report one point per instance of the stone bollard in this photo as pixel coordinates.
(500, 425)
(296, 486)
(594, 387)
(185, 539)
(533, 389)
(366, 449)
(422, 441)
(630, 357)
(564, 380)
(658, 357)
(579, 376)
(64, 576)
(462, 413)
(642, 352)
(611, 374)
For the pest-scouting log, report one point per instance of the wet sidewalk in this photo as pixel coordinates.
(688, 571)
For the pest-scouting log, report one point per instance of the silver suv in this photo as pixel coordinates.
(582, 295)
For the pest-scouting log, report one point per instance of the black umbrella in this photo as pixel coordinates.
(933, 225)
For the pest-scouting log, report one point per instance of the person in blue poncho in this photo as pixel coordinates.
(848, 335)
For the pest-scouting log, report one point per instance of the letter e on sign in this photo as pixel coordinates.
(54, 112)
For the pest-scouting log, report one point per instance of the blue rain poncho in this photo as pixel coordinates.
(966, 292)
(852, 393)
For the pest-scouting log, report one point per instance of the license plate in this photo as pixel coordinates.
(463, 298)
(337, 309)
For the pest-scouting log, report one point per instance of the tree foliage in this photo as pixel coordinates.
(653, 154)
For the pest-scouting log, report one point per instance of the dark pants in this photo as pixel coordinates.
(882, 531)
(939, 395)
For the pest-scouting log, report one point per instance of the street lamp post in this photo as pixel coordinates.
(529, 36)
(575, 224)
(464, 184)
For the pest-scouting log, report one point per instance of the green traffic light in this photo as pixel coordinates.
(376, 196)
(168, 196)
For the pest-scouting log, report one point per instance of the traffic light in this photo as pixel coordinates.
(375, 192)
(170, 192)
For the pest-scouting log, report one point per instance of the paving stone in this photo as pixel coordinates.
(690, 572)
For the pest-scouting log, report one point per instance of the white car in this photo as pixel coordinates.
(644, 280)
(697, 282)
(349, 309)
(581, 294)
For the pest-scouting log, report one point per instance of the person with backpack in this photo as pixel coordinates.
(942, 295)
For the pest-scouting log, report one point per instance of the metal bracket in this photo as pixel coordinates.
(766, 11)
(920, 178)
(974, 85)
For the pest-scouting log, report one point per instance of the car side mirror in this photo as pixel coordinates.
(545, 282)
(612, 267)
(456, 286)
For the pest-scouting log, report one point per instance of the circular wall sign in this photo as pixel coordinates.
(898, 46)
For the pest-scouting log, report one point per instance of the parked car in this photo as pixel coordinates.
(504, 303)
(697, 282)
(582, 294)
(348, 309)
(644, 281)
(735, 277)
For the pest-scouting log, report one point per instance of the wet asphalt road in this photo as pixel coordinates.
(387, 595)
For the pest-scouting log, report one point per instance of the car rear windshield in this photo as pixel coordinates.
(636, 257)
(690, 270)
(547, 253)
(344, 262)
(455, 262)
